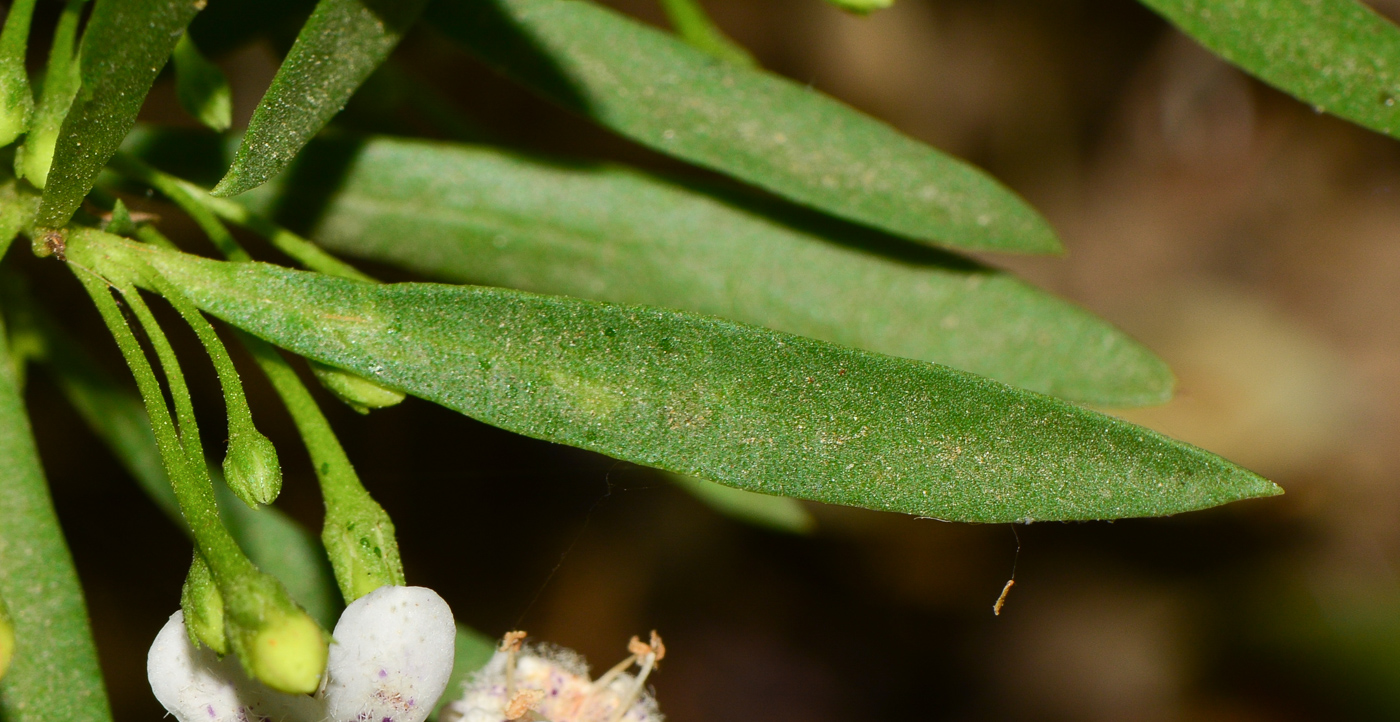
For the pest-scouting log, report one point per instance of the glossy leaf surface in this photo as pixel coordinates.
(54, 676)
(1339, 56)
(340, 45)
(124, 46)
(741, 405)
(476, 215)
(769, 131)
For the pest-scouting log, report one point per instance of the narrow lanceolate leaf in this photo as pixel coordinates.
(53, 676)
(201, 87)
(125, 45)
(1337, 55)
(61, 81)
(691, 23)
(17, 206)
(741, 405)
(477, 215)
(340, 45)
(16, 99)
(757, 127)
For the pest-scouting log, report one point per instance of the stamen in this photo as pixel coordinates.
(653, 652)
(510, 644)
(602, 682)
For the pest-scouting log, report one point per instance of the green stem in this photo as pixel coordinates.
(696, 28)
(206, 210)
(275, 640)
(188, 429)
(54, 675)
(358, 534)
(251, 467)
(240, 418)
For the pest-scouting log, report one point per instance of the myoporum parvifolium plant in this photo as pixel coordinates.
(821, 339)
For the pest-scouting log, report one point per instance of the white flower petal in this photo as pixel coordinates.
(196, 686)
(391, 656)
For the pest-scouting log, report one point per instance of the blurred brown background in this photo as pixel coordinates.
(1253, 243)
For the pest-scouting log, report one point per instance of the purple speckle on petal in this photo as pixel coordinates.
(210, 710)
(383, 674)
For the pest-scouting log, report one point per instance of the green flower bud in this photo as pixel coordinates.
(287, 652)
(7, 639)
(362, 551)
(204, 608)
(358, 392)
(251, 468)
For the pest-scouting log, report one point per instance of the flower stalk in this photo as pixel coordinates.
(276, 641)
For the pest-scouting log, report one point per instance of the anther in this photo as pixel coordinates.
(523, 703)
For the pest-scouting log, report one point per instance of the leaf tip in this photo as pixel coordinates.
(232, 184)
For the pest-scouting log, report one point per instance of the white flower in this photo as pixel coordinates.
(550, 684)
(389, 662)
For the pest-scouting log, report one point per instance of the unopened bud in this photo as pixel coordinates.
(287, 652)
(7, 639)
(251, 469)
(203, 607)
(362, 552)
(358, 392)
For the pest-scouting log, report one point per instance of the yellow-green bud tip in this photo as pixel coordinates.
(7, 641)
(251, 468)
(289, 654)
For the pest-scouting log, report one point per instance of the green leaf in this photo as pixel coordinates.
(54, 676)
(744, 406)
(476, 215)
(778, 513)
(201, 87)
(16, 210)
(1339, 56)
(276, 543)
(759, 128)
(16, 99)
(124, 46)
(695, 27)
(61, 81)
(340, 45)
